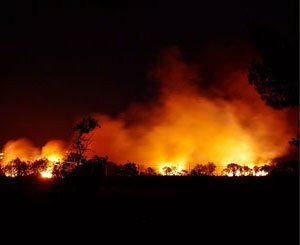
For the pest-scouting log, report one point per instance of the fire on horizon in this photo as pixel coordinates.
(187, 124)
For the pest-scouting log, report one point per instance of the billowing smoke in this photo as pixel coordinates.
(21, 148)
(204, 112)
(53, 150)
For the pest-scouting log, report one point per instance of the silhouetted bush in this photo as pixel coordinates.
(150, 171)
(16, 168)
(38, 166)
(207, 169)
(288, 167)
(93, 168)
(129, 169)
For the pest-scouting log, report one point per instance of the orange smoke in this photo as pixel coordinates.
(197, 121)
(21, 148)
(53, 150)
(205, 112)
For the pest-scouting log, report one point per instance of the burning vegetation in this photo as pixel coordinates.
(204, 112)
(46, 168)
(55, 161)
(220, 120)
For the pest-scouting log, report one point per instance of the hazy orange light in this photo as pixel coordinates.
(192, 120)
(54, 158)
(54, 150)
(46, 174)
(191, 123)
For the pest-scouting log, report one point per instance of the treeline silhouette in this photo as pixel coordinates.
(98, 167)
(76, 164)
(81, 200)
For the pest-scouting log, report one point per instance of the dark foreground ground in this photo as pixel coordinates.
(186, 210)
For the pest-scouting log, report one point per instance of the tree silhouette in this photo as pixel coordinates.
(295, 141)
(2, 170)
(210, 168)
(93, 168)
(233, 169)
(150, 171)
(285, 167)
(129, 169)
(198, 170)
(16, 168)
(10, 170)
(184, 172)
(82, 139)
(207, 169)
(174, 170)
(112, 169)
(275, 75)
(167, 170)
(64, 169)
(38, 165)
(245, 170)
(266, 168)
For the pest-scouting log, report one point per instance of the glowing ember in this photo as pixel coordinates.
(54, 158)
(230, 174)
(51, 153)
(261, 173)
(54, 150)
(46, 174)
(172, 170)
(249, 172)
(11, 175)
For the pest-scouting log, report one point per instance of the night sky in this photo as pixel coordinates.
(58, 62)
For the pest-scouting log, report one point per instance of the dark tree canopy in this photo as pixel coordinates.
(129, 169)
(206, 169)
(150, 171)
(82, 140)
(232, 168)
(38, 165)
(16, 168)
(86, 125)
(275, 75)
(93, 168)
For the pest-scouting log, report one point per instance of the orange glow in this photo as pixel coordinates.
(20, 148)
(249, 173)
(47, 174)
(172, 169)
(224, 123)
(194, 119)
(12, 175)
(53, 151)
(261, 173)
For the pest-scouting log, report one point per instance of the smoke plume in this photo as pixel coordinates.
(53, 150)
(205, 112)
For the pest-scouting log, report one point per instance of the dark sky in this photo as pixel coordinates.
(61, 62)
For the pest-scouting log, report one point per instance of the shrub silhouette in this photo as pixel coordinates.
(129, 169)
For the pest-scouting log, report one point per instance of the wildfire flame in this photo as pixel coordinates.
(172, 170)
(47, 173)
(53, 151)
(219, 119)
(248, 173)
